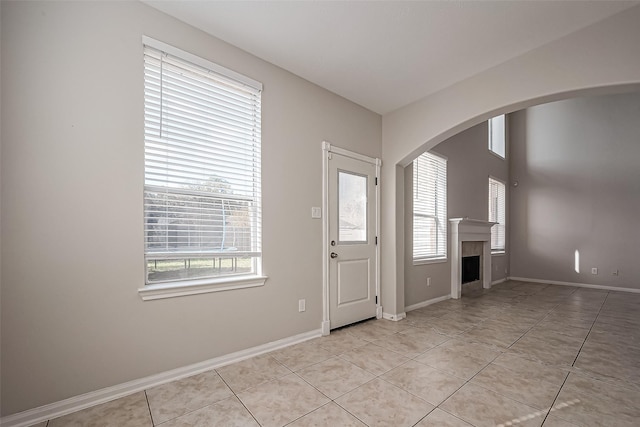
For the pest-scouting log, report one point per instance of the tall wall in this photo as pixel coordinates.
(599, 59)
(576, 163)
(72, 212)
(469, 164)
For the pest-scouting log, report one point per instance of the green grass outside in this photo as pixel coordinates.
(163, 270)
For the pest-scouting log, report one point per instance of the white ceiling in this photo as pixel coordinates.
(386, 54)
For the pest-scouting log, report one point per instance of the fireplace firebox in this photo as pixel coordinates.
(470, 269)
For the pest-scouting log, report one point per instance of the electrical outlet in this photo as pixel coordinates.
(428, 281)
(316, 212)
(302, 305)
(594, 270)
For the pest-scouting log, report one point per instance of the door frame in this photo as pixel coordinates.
(327, 150)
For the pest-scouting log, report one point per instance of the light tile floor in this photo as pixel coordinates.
(519, 354)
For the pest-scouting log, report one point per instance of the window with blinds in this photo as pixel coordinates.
(497, 214)
(429, 208)
(497, 138)
(202, 206)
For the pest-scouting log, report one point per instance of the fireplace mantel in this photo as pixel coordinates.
(469, 230)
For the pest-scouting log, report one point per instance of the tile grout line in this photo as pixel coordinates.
(555, 398)
(467, 381)
(590, 329)
(574, 361)
(504, 352)
(349, 412)
(334, 400)
(240, 400)
(376, 376)
(304, 415)
(149, 408)
(315, 388)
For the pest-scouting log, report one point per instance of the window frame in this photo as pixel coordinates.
(440, 208)
(503, 141)
(213, 283)
(501, 215)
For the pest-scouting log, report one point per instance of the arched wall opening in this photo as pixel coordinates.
(603, 58)
(556, 153)
(522, 105)
(444, 136)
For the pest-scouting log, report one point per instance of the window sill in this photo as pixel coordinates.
(498, 155)
(498, 253)
(429, 261)
(194, 287)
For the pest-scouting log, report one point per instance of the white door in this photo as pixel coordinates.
(352, 240)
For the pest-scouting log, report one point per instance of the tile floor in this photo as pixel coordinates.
(519, 354)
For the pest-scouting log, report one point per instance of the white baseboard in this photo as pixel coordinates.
(577, 285)
(325, 327)
(77, 403)
(497, 282)
(427, 302)
(394, 317)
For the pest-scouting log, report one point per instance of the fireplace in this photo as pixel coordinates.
(470, 268)
(470, 238)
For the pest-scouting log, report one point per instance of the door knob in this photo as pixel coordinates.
(334, 255)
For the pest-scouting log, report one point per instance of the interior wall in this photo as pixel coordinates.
(469, 164)
(602, 58)
(72, 211)
(576, 163)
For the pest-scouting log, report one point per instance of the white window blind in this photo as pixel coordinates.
(497, 214)
(497, 139)
(202, 205)
(429, 208)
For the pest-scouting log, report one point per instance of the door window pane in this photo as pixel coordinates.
(352, 207)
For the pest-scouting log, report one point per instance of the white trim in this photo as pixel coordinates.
(577, 285)
(429, 261)
(469, 230)
(422, 255)
(325, 328)
(83, 401)
(497, 282)
(330, 148)
(427, 302)
(503, 250)
(378, 244)
(327, 150)
(500, 180)
(194, 59)
(394, 317)
(194, 287)
(325, 235)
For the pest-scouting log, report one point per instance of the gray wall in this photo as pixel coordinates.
(72, 214)
(577, 165)
(469, 164)
(599, 59)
